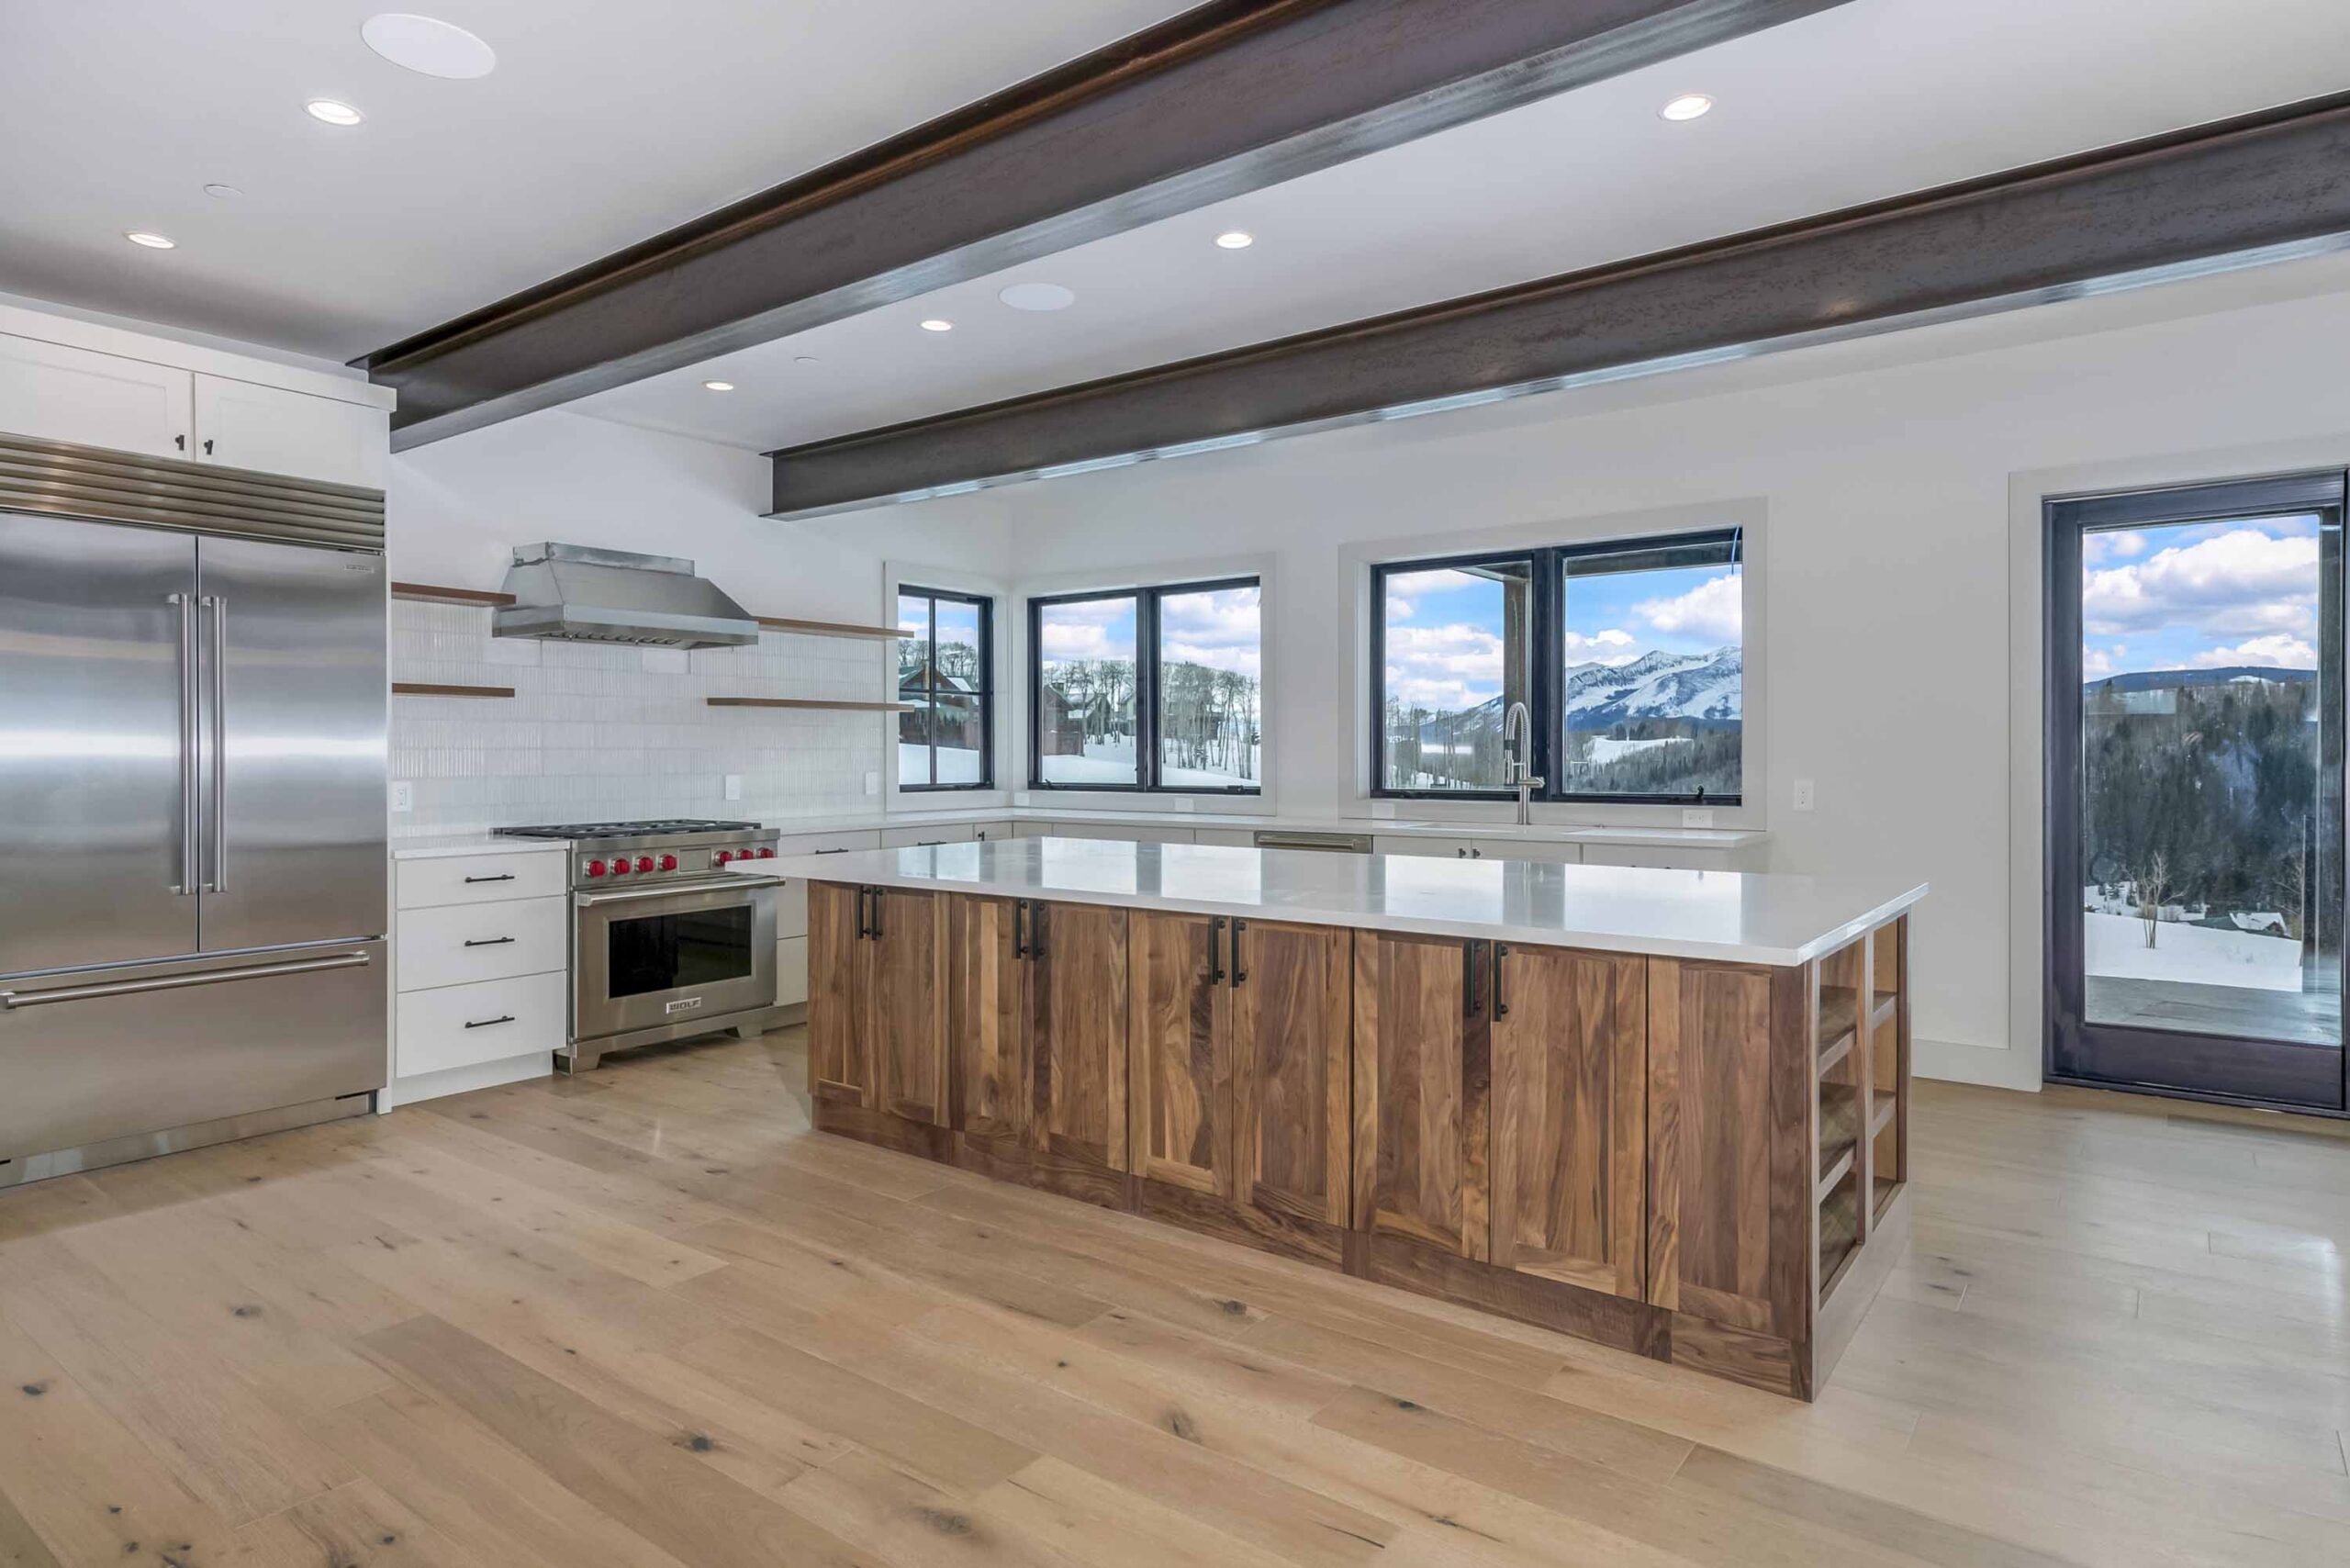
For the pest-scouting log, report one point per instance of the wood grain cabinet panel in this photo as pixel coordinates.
(1078, 1029)
(1180, 1069)
(840, 1068)
(993, 1077)
(906, 1001)
(1569, 1115)
(1289, 1007)
(1419, 1092)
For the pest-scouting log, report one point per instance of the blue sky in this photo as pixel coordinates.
(1444, 628)
(2202, 595)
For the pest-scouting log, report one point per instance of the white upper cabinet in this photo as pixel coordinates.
(241, 425)
(57, 392)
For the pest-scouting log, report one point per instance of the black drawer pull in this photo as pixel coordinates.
(831, 852)
(487, 941)
(501, 877)
(486, 1022)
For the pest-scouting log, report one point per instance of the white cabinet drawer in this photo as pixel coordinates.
(462, 1026)
(791, 971)
(1659, 858)
(459, 944)
(1524, 849)
(1120, 833)
(481, 878)
(1232, 837)
(1448, 848)
(915, 837)
(792, 844)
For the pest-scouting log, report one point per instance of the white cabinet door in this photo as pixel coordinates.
(1661, 857)
(1140, 833)
(986, 831)
(52, 392)
(1448, 848)
(923, 837)
(241, 425)
(791, 971)
(1524, 849)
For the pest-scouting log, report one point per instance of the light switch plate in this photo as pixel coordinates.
(403, 795)
(1697, 816)
(872, 782)
(734, 786)
(1185, 803)
(1803, 794)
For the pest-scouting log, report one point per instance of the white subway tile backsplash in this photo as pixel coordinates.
(617, 731)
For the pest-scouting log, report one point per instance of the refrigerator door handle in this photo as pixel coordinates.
(185, 886)
(219, 815)
(10, 1001)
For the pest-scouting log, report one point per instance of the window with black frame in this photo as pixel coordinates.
(945, 676)
(1629, 655)
(1154, 689)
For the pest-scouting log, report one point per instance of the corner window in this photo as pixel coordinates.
(1156, 689)
(1629, 655)
(945, 676)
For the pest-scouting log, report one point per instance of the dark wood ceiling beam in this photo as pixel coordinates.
(2252, 188)
(1221, 100)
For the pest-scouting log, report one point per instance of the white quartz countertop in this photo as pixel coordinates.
(1382, 827)
(473, 844)
(1730, 916)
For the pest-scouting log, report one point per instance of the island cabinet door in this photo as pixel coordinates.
(1290, 1006)
(1077, 1004)
(1179, 1071)
(993, 1076)
(1420, 1088)
(1730, 1206)
(1570, 1095)
(906, 1001)
(840, 1067)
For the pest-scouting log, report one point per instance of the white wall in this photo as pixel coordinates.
(605, 733)
(1885, 468)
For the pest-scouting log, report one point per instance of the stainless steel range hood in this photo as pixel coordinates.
(579, 594)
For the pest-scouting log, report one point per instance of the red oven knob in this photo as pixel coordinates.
(724, 856)
(668, 862)
(595, 867)
(644, 862)
(619, 866)
(768, 853)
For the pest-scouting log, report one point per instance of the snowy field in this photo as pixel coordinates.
(2115, 945)
(956, 765)
(1113, 762)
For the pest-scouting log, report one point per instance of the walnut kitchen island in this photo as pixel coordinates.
(1666, 1110)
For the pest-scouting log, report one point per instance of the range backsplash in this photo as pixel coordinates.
(602, 733)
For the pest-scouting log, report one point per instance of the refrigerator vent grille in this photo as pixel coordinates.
(66, 480)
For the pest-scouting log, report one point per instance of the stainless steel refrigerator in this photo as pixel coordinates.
(193, 707)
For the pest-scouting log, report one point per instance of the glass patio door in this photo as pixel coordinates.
(2194, 790)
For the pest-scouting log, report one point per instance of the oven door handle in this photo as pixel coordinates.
(680, 889)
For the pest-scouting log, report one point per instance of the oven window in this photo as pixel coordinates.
(680, 952)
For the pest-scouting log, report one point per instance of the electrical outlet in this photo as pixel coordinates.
(403, 796)
(1803, 794)
(1697, 816)
(1185, 803)
(734, 786)
(872, 782)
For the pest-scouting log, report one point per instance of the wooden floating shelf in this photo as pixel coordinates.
(826, 628)
(421, 688)
(426, 593)
(1835, 1173)
(811, 702)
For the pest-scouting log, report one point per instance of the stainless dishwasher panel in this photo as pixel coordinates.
(1328, 842)
(92, 1055)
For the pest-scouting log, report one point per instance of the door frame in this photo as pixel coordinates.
(2178, 1063)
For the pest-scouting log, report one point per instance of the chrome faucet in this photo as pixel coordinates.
(1517, 760)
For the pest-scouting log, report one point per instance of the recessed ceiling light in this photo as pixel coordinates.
(333, 113)
(428, 46)
(1689, 106)
(938, 324)
(718, 386)
(1038, 297)
(222, 192)
(153, 241)
(1235, 239)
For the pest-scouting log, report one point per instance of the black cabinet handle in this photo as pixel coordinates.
(928, 843)
(1239, 975)
(1019, 929)
(1461, 855)
(486, 1022)
(831, 852)
(487, 941)
(1215, 949)
(1501, 1008)
(501, 877)
(1469, 978)
(208, 449)
(180, 442)
(863, 923)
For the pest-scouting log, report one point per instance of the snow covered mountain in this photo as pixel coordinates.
(1657, 685)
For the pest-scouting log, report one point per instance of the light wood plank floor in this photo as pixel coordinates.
(645, 1319)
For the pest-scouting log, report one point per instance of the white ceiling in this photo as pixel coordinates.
(601, 124)
(1866, 100)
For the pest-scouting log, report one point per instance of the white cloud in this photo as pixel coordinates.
(2098, 662)
(1711, 610)
(1398, 608)
(2125, 545)
(1454, 666)
(2240, 582)
(2283, 650)
(1613, 646)
(1080, 640)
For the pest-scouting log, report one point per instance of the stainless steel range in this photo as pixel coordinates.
(668, 936)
